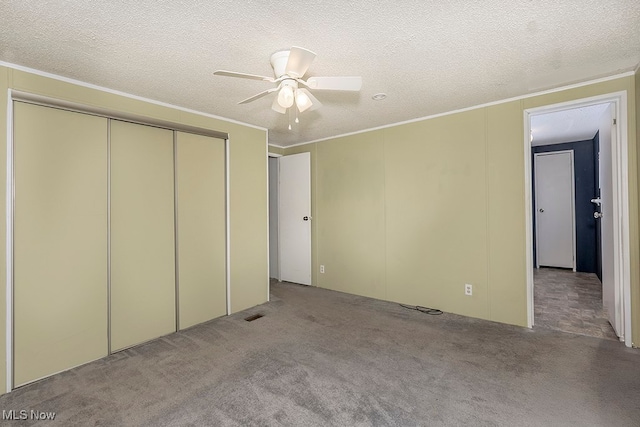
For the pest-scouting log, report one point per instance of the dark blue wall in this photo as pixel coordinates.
(584, 164)
(596, 162)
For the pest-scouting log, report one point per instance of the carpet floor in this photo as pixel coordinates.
(325, 358)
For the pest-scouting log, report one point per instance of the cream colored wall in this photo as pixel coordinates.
(436, 207)
(248, 182)
(506, 217)
(276, 150)
(350, 198)
(441, 201)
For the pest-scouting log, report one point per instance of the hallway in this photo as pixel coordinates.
(571, 302)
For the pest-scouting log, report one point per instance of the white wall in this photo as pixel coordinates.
(273, 218)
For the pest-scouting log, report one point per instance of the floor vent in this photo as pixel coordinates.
(254, 317)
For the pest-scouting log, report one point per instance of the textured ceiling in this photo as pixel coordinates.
(577, 124)
(429, 56)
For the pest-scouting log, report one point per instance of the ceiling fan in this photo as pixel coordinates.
(289, 68)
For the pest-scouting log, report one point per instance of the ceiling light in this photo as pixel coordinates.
(302, 100)
(285, 97)
(379, 96)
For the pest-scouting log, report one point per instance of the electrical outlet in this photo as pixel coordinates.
(468, 289)
(322, 269)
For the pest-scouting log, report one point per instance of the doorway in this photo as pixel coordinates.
(290, 218)
(595, 292)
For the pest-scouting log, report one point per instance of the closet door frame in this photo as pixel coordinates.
(45, 101)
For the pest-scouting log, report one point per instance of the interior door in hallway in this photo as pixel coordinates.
(555, 229)
(295, 218)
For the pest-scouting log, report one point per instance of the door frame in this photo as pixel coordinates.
(573, 205)
(621, 231)
(270, 156)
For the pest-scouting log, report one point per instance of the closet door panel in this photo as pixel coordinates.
(142, 234)
(60, 244)
(201, 228)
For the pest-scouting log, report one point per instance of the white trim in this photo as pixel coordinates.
(622, 260)
(276, 146)
(621, 187)
(274, 155)
(213, 116)
(474, 107)
(108, 236)
(279, 225)
(9, 246)
(109, 113)
(120, 93)
(176, 231)
(228, 223)
(268, 231)
(573, 204)
(528, 217)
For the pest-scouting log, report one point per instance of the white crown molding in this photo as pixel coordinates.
(475, 107)
(124, 94)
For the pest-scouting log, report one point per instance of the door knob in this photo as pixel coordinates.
(597, 215)
(305, 218)
(541, 210)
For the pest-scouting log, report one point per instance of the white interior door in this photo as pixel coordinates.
(295, 218)
(555, 229)
(611, 298)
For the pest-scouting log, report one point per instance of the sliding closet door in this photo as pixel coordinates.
(60, 249)
(142, 234)
(201, 228)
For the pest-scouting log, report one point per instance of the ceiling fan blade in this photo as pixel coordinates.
(277, 107)
(260, 95)
(299, 61)
(242, 75)
(334, 83)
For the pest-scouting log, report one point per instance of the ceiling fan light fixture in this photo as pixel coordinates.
(302, 100)
(285, 97)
